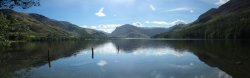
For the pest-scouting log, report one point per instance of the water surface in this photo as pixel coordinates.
(127, 58)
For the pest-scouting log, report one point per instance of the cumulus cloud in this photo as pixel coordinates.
(220, 2)
(103, 27)
(166, 23)
(181, 9)
(101, 13)
(152, 7)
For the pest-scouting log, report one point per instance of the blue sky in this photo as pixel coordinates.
(106, 15)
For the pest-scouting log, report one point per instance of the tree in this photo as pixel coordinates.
(4, 23)
(24, 4)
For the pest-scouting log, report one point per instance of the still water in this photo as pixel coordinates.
(127, 58)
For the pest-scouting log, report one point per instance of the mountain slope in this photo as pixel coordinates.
(229, 21)
(171, 29)
(21, 26)
(130, 31)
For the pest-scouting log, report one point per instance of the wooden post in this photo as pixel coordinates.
(118, 49)
(92, 53)
(49, 58)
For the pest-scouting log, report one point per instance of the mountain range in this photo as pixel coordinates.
(22, 26)
(131, 31)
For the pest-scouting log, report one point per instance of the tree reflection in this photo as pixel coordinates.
(229, 56)
(34, 54)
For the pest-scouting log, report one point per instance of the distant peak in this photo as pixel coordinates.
(180, 24)
(127, 25)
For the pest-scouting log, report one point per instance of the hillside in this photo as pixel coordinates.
(229, 21)
(130, 31)
(170, 29)
(22, 26)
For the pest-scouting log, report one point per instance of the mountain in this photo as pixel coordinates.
(22, 26)
(131, 31)
(229, 21)
(170, 29)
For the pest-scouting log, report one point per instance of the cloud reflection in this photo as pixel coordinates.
(102, 63)
(157, 52)
(222, 74)
(111, 48)
(185, 66)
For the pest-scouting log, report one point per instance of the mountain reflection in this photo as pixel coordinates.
(27, 55)
(230, 56)
(129, 45)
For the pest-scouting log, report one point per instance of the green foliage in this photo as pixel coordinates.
(25, 27)
(12, 29)
(4, 23)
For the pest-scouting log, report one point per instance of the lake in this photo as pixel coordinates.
(127, 58)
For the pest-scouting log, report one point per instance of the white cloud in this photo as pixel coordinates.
(103, 27)
(166, 23)
(181, 9)
(220, 2)
(184, 66)
(101, 13)
(109, 28)
(152, 7)
(102, 63)
(216, 2)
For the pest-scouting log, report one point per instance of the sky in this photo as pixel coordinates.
(106, 15)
